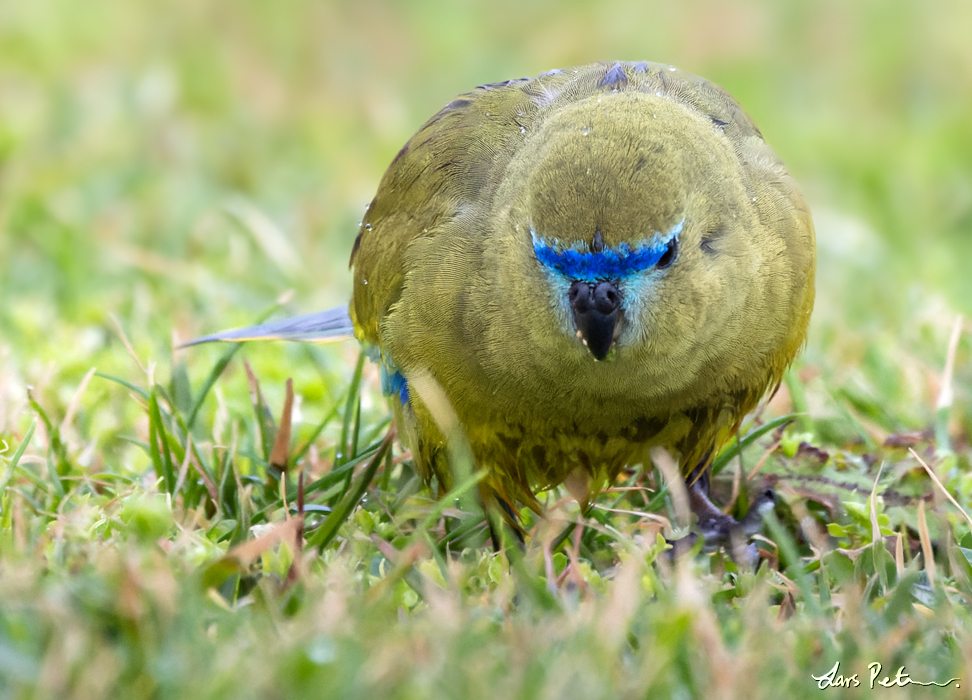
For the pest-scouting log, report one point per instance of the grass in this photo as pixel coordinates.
(170, 528)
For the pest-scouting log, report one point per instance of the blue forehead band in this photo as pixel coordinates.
(610, 263)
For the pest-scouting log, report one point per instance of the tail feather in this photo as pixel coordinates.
(328, 326)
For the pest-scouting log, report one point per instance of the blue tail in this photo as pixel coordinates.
(328, 326)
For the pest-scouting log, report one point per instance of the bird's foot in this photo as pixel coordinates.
(720, 530)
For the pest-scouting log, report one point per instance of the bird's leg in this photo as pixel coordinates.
(719, 529)
(509, 516)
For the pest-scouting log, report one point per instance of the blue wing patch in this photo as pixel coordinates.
(393, 383)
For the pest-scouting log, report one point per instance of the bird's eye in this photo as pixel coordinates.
(668, 257)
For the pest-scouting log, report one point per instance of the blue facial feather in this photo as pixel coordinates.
(609, 263)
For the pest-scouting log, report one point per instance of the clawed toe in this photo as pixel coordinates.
(720, 530)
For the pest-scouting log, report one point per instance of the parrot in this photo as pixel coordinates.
(584, 265)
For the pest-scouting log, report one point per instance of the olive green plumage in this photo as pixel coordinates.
(449, 282)
(573, 269)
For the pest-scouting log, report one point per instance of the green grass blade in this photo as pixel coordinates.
(737, 446)
(211, 378)
(128, 385)
(349, 412)
(321, 537)
(15, 457)
(159, 446)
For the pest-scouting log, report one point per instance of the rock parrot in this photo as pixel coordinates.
(586, 264)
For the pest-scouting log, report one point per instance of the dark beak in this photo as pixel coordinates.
(597, 308)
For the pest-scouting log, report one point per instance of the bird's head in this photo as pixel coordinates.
(618, 200)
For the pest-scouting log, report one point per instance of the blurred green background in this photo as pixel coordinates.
(178, 165)
(140, 141)
(171, 169)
